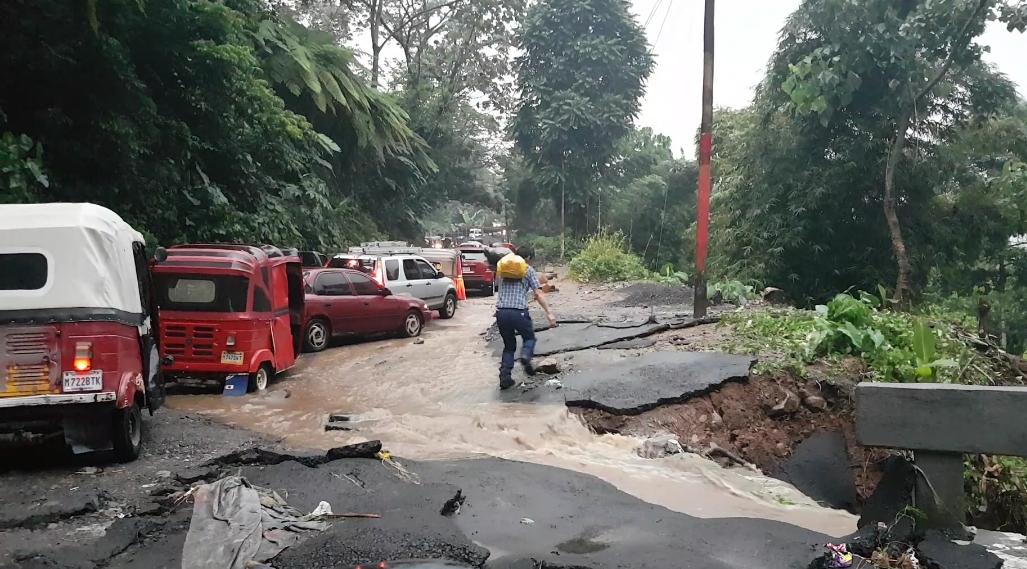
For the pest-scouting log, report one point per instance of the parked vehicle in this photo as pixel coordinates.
(313, 259)
(229, 310)
(345, 302)
(78, 349)
(355, 261)
(400, 268)
(478, 273)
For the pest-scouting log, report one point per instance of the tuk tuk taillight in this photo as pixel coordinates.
(83, 356)
(230, 342)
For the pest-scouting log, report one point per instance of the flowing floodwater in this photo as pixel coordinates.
(440, 400)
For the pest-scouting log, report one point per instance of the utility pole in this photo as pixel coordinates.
(702, 235)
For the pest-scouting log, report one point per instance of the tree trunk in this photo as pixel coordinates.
(898, 245)
(376, 46)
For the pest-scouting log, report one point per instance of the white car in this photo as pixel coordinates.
(405, 274)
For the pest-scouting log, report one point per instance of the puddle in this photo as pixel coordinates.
(440, 400)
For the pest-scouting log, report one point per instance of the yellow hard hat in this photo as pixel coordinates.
(512, 267)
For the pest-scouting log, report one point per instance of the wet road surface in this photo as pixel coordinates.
(440, 400)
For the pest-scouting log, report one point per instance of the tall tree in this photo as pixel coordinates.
(581, 74)
(896, 63)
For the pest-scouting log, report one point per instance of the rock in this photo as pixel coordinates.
(336, 417)
(936, 551)
(554, 383)
(774, 295)
(816, 403)
(163, 474)
(716, 420)
(419, 341)
(661, 446)
(787, 406)
(548, 366)
(149, 509)
(360, 450)
(195, 474)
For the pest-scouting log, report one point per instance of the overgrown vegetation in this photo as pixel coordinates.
(896, 346)
(604, 259)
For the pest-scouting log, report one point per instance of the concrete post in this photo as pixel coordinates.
(939, 490)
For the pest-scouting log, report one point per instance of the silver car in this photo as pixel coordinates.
(407, 275)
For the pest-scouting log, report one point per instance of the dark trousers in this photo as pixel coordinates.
(511, 322)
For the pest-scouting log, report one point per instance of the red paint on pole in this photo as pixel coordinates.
(702, 235)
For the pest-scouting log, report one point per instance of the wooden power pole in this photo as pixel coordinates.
(702, 234)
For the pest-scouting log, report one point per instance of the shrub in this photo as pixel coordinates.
(734, 292)
(547, 249)
(605, 259)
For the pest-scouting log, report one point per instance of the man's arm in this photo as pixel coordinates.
(540, 296)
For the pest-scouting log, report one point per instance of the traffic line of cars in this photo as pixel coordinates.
(91, 329)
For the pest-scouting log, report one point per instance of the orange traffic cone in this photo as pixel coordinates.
(461, 291)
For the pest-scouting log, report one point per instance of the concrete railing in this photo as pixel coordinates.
(940, 423)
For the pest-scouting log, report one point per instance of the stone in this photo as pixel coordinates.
(660, 446)
(548, 366)
(815, 403)
(786, 406)
(196, 474)
(419, 341)
(164, 474)
(774, 295)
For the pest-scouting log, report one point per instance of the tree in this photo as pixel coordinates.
(581, 74)
(895, 63)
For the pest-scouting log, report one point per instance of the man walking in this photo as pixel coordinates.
(513, 318)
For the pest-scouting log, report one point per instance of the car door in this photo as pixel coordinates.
(375, 313)
(393, 274)
(434, 290)
(414, 280)
(338, 300)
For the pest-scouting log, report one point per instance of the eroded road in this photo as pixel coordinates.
(436, 405)
(439, 400)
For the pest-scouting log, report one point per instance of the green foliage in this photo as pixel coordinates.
(21, 169)
(199, 120)
(604, 258)
(799, 175)
(734, 292)
(547, 249)
(996, 489)
(581, 73)
(895, 346)
(669, 276)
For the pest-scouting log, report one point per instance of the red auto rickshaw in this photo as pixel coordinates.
(229, 311)
(78, 349)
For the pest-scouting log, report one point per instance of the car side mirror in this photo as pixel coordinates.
(439, 275)
(384, 291)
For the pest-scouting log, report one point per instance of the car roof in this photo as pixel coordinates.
(314, 271)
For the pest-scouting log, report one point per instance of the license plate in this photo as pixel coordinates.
(231, 357)
(83, 381)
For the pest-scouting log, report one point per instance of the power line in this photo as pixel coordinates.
(660, 33)
(656, 6)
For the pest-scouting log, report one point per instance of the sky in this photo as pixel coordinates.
(746, 35)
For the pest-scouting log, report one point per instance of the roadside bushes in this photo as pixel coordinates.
(547, 249)
(605, 259)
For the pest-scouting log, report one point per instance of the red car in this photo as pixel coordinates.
(477, 271)
(346, 302)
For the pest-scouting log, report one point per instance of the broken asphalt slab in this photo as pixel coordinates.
(30, 511)
(635, 385)
(582, 336)
(819, 467)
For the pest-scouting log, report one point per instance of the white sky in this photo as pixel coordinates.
(746, 35)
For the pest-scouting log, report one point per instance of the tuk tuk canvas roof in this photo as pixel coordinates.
(89, 256)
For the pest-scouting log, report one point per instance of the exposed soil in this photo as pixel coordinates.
(654, 294)
(754, 420)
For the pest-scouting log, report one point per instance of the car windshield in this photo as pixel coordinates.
(201, 293)
(472, 255)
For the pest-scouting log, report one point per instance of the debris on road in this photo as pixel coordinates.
(660, 446)
(235, 524)
(527, 521)
(419, 341)
(452, 505)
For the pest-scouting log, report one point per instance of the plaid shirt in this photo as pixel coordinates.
(514, 293)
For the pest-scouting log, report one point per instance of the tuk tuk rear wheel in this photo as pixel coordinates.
(260, 378)
(127, 433)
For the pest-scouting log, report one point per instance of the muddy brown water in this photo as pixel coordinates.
(440, 400)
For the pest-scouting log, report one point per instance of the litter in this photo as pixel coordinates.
(527, 521)
(323, 508)
(838, 556)
(236, 525)
(554, 383)
(386, 458)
